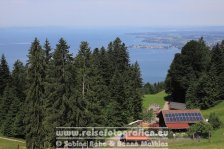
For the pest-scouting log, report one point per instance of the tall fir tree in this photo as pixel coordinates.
(216, 68)
(4, 74)
(118, 108)
(19, 83)
(136, 86)
(11, 105)
(202, 93)
(82, 65)
(47, 48)
(59, 86)
(4, 81)
(35, 97)
(97, 93)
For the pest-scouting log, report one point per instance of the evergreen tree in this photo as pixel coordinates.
(4, 74)
(153, 88)
(47, 48)
(119, 55)
(202, 94)
(58, 91)
(98, 91)
(186, 67)
(104, 65)
(19, 83)
(216, 68)
(88, 86)
(19, 79)
(4, 81)
(118, 108)
(136, 86)
(83, 64)
(35, 97)
(11, 105)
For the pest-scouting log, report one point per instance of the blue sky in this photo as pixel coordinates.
(92, 13)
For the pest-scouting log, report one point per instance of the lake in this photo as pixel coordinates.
(154, 63)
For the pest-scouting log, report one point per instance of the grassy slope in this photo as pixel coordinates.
(217, 140)
(156, 98)
(8, 144)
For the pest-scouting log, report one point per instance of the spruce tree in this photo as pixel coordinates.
(19, 83)
(47, 48)
(11, 105)
(59, 87)
(118, 108)
(82, 66)
(136, 87)
(216, 68)
(35, 97)
(19, 79)
(4, 74)
(97, 93)
(104, 65)
(4, 81)
(202, 94)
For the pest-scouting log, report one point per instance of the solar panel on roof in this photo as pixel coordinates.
(186, 116)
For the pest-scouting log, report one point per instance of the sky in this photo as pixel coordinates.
(107, 13)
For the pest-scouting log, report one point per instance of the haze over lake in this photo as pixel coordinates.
(154, 62)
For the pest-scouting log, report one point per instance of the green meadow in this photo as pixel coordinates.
(11, 143)
(154, 98)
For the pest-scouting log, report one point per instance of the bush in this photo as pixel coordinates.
(148, 115)
(170, 135)
(200, 129)
(215, 121)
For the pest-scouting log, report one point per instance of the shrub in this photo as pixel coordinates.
(200, 129)
(148, 115)
(215, 121)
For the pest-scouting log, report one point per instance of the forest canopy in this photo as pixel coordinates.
(96, 87)
(196, 75)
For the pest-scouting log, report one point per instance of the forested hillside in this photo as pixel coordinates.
(54, 88)
(196, 75)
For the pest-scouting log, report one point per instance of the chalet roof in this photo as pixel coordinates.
(177, 105)
(178, 125)
(130, 136)
(182, 116)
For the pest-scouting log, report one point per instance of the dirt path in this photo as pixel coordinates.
(166, 105)
(12, 140)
